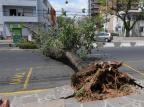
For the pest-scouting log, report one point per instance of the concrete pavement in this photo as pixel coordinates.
(54, 98)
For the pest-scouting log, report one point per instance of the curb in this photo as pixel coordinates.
(118, 44)
(17, 49)
(23, 92)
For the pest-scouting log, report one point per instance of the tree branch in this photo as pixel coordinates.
(133, 24)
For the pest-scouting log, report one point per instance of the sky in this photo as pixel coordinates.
(73, 6)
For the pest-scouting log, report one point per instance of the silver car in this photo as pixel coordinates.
(103, 37)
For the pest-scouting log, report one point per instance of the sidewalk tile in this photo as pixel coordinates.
(71, 103)
(95, 104)
(118, 102)
(139, 97)
(47, 96)
(54, 103)
(29, 99)
(16, 102)
(64, 91)
(142, 105)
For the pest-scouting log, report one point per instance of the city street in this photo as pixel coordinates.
(132, 57)
(27, 70)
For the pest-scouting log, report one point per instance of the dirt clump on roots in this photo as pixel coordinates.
(101, 80)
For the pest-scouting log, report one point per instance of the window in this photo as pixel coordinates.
(45, 2)
(141, 29)
(13, 12)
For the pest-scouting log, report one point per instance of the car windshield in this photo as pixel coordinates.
(102, 34)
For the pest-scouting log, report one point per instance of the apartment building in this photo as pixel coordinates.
(115, 24)
(93, 6)
(15, 14)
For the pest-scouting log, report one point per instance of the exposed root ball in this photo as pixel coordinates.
(101, 80)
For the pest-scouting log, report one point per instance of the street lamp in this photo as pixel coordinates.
(66, 2)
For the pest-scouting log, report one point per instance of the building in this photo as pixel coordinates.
(115, 24)
(14, 14)
(93, 7)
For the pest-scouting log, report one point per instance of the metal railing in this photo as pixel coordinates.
(20, 14)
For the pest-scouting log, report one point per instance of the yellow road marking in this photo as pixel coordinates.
(27, 79)
(23, 92)
(17, 79)
(126, 65)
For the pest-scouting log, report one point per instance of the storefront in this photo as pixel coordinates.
(16, 31)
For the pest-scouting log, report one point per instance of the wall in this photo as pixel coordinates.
(43, 12)
(1, 14)
(24, 10)
(138, 29)
(19, 2)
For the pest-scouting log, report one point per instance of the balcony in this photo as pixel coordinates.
(19, 14)
(95, 7)
(95, 2)
(19, 2)
(20, 19)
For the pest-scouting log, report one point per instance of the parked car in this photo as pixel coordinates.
(114, 34)
(103, 37)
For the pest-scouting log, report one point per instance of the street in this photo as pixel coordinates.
(132, 57)
(29, 70)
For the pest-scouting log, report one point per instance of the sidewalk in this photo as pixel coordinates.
(54, 98)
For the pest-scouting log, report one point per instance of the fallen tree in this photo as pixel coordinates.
(98, 80)
(101, 80)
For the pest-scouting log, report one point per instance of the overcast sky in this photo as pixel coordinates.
(74, 5)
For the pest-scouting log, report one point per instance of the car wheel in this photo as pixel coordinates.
(106, 40)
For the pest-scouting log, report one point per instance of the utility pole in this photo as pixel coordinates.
(106, 15)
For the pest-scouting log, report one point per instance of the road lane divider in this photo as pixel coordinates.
(17, 78)
(128, 66)
(27, 79)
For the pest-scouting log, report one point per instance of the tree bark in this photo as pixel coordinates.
(74, 60)
(127, 33)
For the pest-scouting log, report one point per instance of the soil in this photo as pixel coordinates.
(101, 80)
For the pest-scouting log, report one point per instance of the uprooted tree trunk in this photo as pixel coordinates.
(74, 60)
(99, 80)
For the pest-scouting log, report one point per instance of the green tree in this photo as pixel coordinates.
(129, 20)
(69, 35)
(125, 6)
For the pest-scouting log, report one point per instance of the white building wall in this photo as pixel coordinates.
(40, 15)
(19, 2)
(1, 14)
(138, 29)
(1, 20)
(118, 27)
(43, 11)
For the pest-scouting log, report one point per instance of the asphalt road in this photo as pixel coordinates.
(29, 70)
(132, 57)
